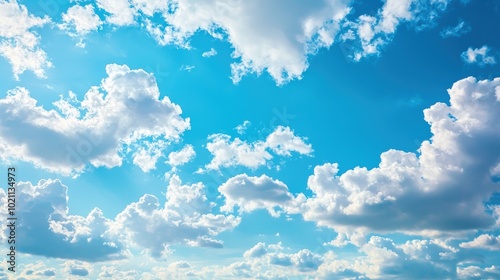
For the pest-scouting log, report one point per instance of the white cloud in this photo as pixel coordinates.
(479, 56)
(120, 12)
(241, 128)
(181, 157)
(475, 272)
(460, 29)
(38, 269)
(252, 193)
(372, 32)
(210, 53)
(187, 68)
(263, 40)
(451, 176)
(47, 229)
(123, 112)
(185, 219)
(227, 152)
(282, 141)
(78, 20)
(76, 268)
(147, 156)
(256, 251)
(484, 241)
(381, 258)
(18, 43)
(119, 274)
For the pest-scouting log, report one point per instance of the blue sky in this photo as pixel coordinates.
(188, 139)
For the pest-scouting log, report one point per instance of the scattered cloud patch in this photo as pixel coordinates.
(459, 30)
(79, 21)
(210, 53)
(242, 127)
(227, 152)
(369, 33)
(19, 44)
(187, 68)
(478, 56)
(451, 176)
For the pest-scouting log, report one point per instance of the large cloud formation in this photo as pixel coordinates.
(276, 37)
(46, 228)
(442, 189)
(124, 111)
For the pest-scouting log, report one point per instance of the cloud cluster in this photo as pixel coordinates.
(185, 219)
(19, 44)
(78, 21)
(438, 191)
(47, 228)
(263, 40)
(441, 189)
(227, 153)
(124, 113)
(478, 56)
(368, 33)
(381, 258)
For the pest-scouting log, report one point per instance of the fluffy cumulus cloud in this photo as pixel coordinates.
(263, 39)
(186, 218)
(47, 229)
(124, 113)
(442, 189)
(78, 21)
(252, 193)
(382, 258)
(76, 268)
(453, 175)
(19, 43)
(181, 157)
(478, 56)
(227, 152)
(484, 241)
(36, 270)
(475, 272)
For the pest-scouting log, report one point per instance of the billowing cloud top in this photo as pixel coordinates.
(125, 109)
